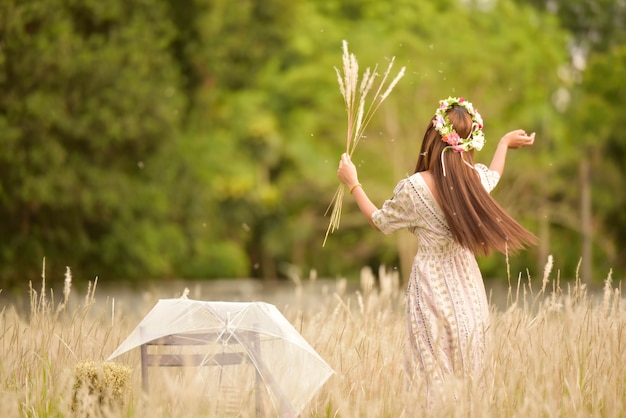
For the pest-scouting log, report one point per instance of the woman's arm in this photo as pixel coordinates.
(514, 139)
(348, 175)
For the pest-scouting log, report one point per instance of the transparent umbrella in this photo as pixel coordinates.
(288, 369)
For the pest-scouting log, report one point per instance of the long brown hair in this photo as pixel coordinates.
(475, 219)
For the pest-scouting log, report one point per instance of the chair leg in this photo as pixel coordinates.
(144, 368)
(258, 380)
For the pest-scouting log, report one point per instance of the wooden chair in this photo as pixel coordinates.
(166, 358)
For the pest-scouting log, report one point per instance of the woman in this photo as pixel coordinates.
(447, 206)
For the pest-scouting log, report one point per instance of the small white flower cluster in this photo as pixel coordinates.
(476, 138)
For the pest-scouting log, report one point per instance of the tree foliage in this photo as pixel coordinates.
(89, 94)
(591, 113)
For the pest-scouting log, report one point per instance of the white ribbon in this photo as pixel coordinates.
(443, 164)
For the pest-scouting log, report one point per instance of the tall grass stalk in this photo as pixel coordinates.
(550, 353)
(360, 111)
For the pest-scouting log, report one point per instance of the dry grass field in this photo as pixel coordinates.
(554, 351)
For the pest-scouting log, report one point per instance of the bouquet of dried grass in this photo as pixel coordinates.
(360, 113)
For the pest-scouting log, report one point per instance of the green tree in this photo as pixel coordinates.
(598, 122)
(597, 25)
(598, 31)
(89, 94)
(247, 154)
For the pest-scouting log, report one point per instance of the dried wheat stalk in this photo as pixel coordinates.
(359, 113)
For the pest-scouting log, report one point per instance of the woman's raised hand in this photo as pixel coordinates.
(514, 139)
(347, 171)
(518, 139)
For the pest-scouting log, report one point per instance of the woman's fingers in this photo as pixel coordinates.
(521, 139)
(528, 139)
(347, 171)
(345, 160)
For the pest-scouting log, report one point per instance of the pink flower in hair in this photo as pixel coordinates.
(453, 139)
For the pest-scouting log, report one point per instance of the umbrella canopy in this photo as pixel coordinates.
(290, 368)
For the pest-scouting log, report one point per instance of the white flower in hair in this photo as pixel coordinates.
(478, 142)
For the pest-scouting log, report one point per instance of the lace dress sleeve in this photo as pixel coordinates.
(488, 178)
(398, 212)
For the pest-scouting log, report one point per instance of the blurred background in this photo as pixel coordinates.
(152, 140)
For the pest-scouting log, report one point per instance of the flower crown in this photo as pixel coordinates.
(441, 122)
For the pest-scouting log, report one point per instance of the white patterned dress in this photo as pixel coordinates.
(446, 304)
